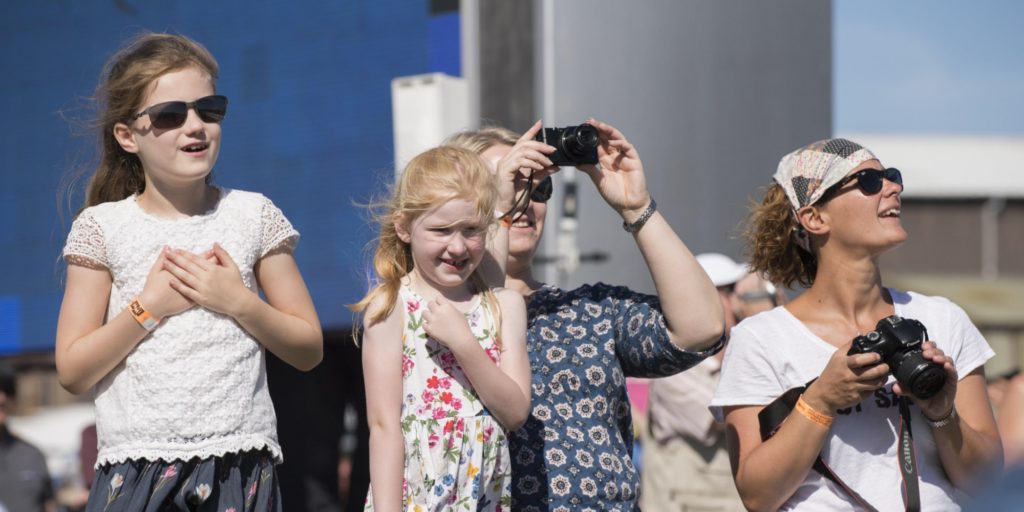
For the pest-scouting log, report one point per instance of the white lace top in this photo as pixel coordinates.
(197, 385)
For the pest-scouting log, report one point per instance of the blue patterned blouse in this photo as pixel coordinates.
(575, 450)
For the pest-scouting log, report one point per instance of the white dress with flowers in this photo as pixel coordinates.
(456, 453)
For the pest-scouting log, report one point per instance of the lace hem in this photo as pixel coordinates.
(84, 261)
(286, 246)
(187, 451)
(85, 240)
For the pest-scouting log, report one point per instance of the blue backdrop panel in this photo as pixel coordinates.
(309, 126)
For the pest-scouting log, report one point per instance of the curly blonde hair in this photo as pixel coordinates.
(772, 249)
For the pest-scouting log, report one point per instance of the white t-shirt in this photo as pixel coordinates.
(772, 352)
(197, 385)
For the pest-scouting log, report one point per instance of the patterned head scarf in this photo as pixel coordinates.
(808, 172)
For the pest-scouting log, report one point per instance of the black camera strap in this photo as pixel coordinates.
(774, 414)
(522, 202)
(908, 459)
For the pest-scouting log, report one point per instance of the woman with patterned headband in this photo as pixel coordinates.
(575, 451)
(833, 210)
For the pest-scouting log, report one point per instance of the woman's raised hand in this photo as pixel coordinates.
(525, 156)
(620, 174)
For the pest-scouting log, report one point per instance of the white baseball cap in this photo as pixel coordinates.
(722, 270)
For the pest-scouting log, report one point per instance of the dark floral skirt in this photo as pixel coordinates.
(236, 482)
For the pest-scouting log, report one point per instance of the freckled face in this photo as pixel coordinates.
(448, 243)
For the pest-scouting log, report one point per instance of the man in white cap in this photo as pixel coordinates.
(686, 464)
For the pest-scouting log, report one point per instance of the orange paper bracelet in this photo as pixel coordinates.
(813, 415)
(142, 315)
(504, 218)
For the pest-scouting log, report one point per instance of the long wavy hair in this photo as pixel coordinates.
(433, 178)
(127, 78)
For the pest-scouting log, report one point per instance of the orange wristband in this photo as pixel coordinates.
(813, 415)
(505, 219)
(142, 315)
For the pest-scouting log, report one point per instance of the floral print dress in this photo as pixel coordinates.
(575, 451)
(456, 453)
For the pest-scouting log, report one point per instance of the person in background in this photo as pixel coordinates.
(87, 455)
(24, 480)
(686, 463)
(1006, 391)
(753, 294)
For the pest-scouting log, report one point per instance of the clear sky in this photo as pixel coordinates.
(930, 67)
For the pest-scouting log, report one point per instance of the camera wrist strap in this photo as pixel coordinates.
(522, 202)
(771, 417)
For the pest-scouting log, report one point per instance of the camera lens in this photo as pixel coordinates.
(921, 377)
(579, 139)
(927, 382)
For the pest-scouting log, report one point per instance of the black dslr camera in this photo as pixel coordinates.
(575, 144)
(898, 341)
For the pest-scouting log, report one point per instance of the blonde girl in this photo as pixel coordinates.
(444, 356)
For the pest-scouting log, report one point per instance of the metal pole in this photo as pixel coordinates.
(990, 237)
(566, 241)
(469, 33)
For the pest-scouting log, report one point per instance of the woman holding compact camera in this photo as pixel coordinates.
(575, 450)
(856, 437)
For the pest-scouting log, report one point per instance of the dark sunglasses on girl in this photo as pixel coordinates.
(868, 180)
(172, 114)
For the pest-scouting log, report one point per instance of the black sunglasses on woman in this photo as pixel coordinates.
(868, 180)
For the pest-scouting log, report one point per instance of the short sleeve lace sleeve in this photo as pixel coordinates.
(278, 232)
(85, 245)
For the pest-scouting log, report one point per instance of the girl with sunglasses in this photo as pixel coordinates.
(575, 450)
(832, 212)
(162, 315)
(444, 355)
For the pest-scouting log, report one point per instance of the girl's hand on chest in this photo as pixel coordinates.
(446, 324)
(211, 280)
